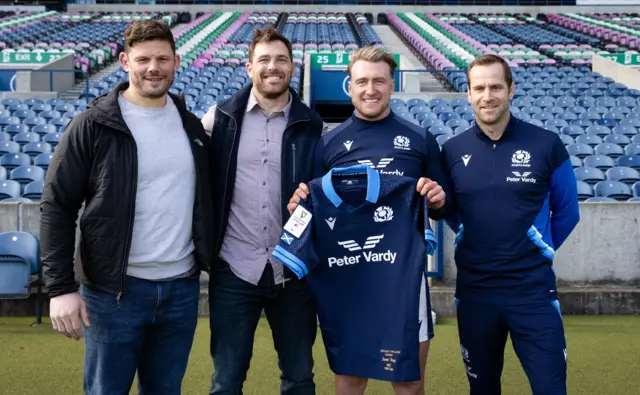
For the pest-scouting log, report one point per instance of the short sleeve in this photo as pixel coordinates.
(296, 248)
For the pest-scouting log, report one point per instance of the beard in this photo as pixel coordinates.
(150, 89)
(272, 91)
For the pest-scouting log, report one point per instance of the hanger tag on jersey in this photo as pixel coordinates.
(298, 221)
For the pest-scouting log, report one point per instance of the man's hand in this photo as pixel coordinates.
(434, 192)
(301, 193)
(66, 311)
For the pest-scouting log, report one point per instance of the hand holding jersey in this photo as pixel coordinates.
(429, 188)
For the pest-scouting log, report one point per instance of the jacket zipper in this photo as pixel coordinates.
(293, 154)
(125, 258)
(226, 178)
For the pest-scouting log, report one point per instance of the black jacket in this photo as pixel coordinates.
(96, 163)
(303, 130)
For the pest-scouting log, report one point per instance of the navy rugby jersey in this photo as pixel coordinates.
(360, 243)
(516, 202)
(392, 146)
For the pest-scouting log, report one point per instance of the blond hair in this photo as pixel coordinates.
(373, 55)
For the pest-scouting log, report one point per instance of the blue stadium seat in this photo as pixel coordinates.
(12, 161)
(580, 150)
(632, 161)
(9, 147)
(9, 189)
(611, 150)
(601, 162)
(619, 139)
(623, 174)
(589, 139)
(590, 175)
(600, 199)
(632, 149)
(19, 264)
(613, 189)
(585, 191)
(35, 149)
(27, 174)
(26, 137)
(33, 190)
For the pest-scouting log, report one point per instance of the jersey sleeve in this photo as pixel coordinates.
(296, 248)
(563, 195)
(429, 236)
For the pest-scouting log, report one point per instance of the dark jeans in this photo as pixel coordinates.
(150, 332)
(236, 306)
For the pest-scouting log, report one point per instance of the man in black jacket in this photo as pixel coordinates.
(262, 140)
(139, 161)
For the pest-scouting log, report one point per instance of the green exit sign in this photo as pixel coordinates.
(630, 59)
(29, 57)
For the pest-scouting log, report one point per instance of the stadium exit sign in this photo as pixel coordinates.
(29, 57)
(629, 59)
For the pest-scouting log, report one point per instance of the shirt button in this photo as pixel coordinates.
(264, 183)
(264, 206)
(265, 228)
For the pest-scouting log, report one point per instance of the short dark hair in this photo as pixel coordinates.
(486, 60)
(267, 35)
(148, 30)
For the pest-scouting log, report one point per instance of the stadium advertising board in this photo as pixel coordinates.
(627, 59)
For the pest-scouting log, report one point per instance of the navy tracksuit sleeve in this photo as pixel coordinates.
(563, 195)
(434, 170)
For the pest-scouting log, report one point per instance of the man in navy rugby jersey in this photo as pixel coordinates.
(376, 137)
(508, 176)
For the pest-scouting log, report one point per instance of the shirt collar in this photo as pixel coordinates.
(509, 129)
(253, 102)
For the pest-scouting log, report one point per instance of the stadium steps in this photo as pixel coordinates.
(395, 44)
(80, 84)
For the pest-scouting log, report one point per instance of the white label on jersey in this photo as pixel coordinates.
(298, 222)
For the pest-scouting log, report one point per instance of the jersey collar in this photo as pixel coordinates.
(373, 183)
(508, 131)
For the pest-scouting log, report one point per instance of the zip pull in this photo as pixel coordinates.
(118, 299)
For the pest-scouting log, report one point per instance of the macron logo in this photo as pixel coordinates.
(371, 242)
(330, 222)
(465, 159)
(347, 144)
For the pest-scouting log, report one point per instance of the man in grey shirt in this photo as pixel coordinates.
(138, 160)
(262, 140)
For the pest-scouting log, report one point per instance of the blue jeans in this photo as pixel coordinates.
(236, 307)
(151, 331)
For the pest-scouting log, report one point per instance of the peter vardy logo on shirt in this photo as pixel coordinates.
(520, 158)
(401, 142)
(382, 164)
(521, 177)
(368, 256)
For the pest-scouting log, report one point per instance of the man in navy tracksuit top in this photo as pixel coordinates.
(507, 177)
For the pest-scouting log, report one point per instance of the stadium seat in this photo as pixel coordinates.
(585, 191)
(601, 162)
(623, 174)
(600, 199)
(12, 161)
(632, 161)
(590, 175)
(613, 189)
(27, 174)
(636, 189)
(19, 264)
(33, 190)
(9, 189)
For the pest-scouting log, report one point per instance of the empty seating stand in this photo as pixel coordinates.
(20, 268)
